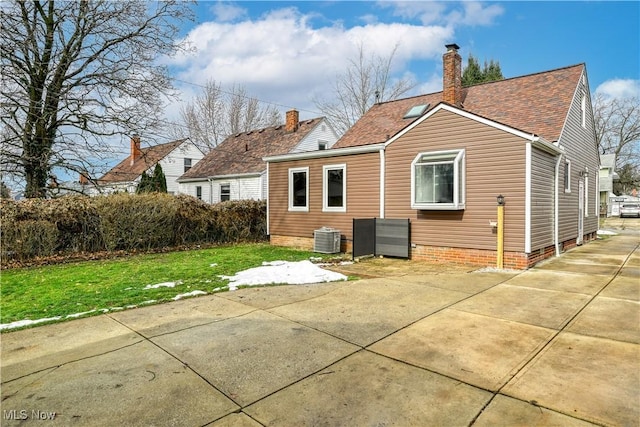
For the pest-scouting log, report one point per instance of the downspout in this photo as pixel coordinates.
(527, 199)
(267, 178)
(210, 190)
(382, 166)
(556, 219)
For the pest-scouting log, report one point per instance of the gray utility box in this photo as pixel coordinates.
(326, 240)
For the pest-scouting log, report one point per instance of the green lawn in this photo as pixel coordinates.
(65, 289)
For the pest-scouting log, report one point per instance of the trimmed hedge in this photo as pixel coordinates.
(71, 224)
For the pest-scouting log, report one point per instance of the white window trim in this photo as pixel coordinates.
(583, 107)
(325, 189)
(567, 172)
(298, 208)
(586, 193)
(220, 188)
(458, 187)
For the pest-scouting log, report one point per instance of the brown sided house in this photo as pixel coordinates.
(440, 160)
(234, 170)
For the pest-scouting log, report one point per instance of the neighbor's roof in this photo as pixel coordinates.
(126, 172)
(242, 153)
(536, 103)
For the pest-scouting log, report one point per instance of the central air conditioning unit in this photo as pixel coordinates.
(326, 240)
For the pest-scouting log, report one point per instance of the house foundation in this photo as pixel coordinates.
(441, 254)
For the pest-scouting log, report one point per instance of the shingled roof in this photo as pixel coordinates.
(125, 171)
(536, 103)
(242, 153)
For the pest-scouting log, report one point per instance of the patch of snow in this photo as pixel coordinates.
(27, 322)
(163, 285)
(273, 263)
(282, 272)
(75, 315)
(607, 233)
(189, 294)
(340, 263)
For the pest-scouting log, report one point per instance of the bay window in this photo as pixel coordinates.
(437, 180)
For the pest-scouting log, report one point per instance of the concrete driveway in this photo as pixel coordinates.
(557, 345)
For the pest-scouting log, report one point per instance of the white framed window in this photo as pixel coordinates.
(567, 176)
(199, 192)
(438, 180)
(225, 192)
(187, 164)
(322, 145)
(334, 188)
(299, 189)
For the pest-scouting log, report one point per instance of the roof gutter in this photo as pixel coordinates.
(214, 177)
(332, 152)
(546, 146)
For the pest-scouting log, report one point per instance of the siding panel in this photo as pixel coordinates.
(495, 164)
(581, 149)
(542, 198)
(363, 184)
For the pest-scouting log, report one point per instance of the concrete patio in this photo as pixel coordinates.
(557, 345)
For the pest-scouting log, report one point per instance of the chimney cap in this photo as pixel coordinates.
(452, 46)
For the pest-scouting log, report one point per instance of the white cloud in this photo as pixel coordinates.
(619, 88)
(281, 57)
(225, 12)
(446, 13)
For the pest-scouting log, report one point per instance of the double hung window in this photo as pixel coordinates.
(437, 180)
(299, 189)
(334, 188)
(225, 192)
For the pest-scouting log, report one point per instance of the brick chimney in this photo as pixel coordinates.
(136, 153)
(292, 119)
(84, 180)
(452, 76)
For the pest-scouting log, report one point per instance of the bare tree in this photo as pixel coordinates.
(366, 80)
(217, 113)
(76, 74)
(617, 123)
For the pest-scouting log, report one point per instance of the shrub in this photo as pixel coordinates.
(28, 239)
(243, 220)
(137, 221)
(36, 227)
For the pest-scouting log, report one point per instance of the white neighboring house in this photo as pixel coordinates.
(175, 158)
(606, 177)
(234, 170)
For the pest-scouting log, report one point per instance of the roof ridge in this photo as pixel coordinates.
(164, 144)
(581, 64)
(274, 127)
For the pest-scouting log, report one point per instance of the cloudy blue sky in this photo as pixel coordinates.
(288, 53)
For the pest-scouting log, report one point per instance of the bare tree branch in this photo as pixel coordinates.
(217, 113)
(617, 123)
(366, 80)
(76, 73)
